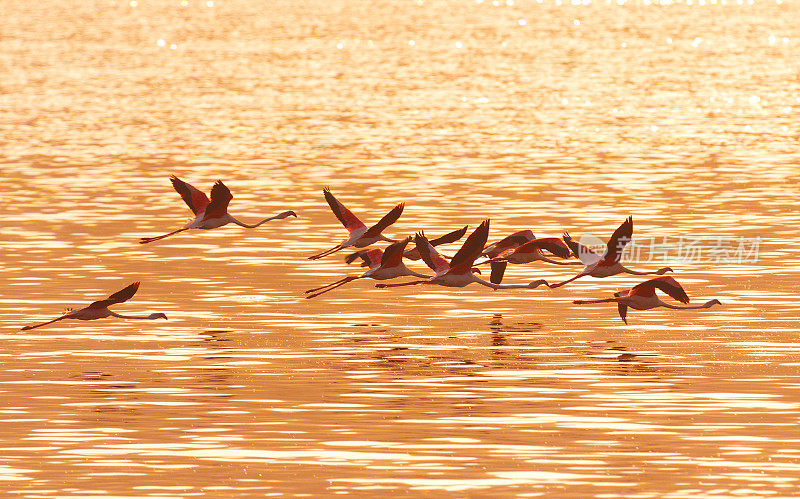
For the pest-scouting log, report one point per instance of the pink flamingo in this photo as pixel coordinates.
(608, 265)
(643, 297)
(459, 272)
(383, 265)
(528, 252)
(99, 309)
(360, 235)
(509, 242)
(209, 214)
(413, 253)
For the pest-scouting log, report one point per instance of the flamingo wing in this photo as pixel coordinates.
(471, 248)
(450, 237)
(192, 196)
(120, 296)
(498, 271)
(429, 255)
(358, 254)
(623, 312)
(619, 239)
(220, 197)
(350, 221)
(393, 254)
(552, 244)
(666, 284)
(581, 252)
(372, 257)
(516, 239)
(386, 221)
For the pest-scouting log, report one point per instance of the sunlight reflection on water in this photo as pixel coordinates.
(548, 116)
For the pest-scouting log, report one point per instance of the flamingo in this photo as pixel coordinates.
(509, 242)
(529, 252)
(459, 272)
(413, 253)
(99, 309)
(383, 265)
(608, 265)
(209, 214)
(643, 297)
(360, 236)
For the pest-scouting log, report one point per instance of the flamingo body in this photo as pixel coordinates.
(99, 309)
(609, 264)
(643, 297)
(383, 265)
(360, 235)
(209, 213)
(458, 273)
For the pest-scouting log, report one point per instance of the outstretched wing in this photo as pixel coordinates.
(220, 197)
(471, 248)
(516, 239)
(450, 237)
(372, 257)
(393, 254)
(552, 244)
(350, 221)
(666, 284)
(581, 252)
(386, 221)
(118, 297)
(623, 312)
(429, 255)
(619, 239)
(192, 196)
(358, 254)
(498, 271)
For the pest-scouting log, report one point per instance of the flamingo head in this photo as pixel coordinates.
(157, 315)
(664, 270)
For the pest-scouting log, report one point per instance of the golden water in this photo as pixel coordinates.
(546, 116)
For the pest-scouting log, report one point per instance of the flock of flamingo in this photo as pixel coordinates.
(459, 271)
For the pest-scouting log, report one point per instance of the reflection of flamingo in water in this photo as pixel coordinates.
(99, 309)
(360, 235)
(608, 265)
(643, 297)
(413, 253)
(459, 272)
(209, 214)
(383, 265)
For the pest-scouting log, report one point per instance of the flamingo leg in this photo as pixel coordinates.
(325, 286)
(326, 252)
(603, 300)
(395, 285)
(334, 286)
(151, 239)
(26, 328)
(556, 262)
(559, 284)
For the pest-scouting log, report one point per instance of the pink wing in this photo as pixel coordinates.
(372, 257)
(350, 221)
(429, 255)
(192, 196)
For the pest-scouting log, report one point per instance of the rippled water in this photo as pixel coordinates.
(546, 116)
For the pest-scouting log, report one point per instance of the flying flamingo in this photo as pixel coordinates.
(413, 253)
(509, 242)
(459, 272)
(643, 297)
(608, 265)
(383, 265)
(209, 214)
(360, 236)
(530, 251)
(99, 309)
